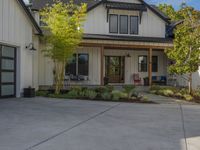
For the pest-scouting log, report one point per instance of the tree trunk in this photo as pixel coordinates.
(190, 83)
(59, 76)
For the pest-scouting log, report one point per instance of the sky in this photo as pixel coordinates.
(175, 3)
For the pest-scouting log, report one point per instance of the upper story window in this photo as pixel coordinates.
(113, 23)
(134, 24)
(123, 25)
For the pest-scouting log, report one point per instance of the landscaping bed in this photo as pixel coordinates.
(174, 92)
(105, 93)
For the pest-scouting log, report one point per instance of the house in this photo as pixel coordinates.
(122, 38)
(124, 42)
(18, 32)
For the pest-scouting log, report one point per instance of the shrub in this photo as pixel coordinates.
(123, 95)
(179, 95)
(82, 94)
(109, 88)
(116, 95)
(184, 91)
(106, 96)
(155, 88)
(167, 92)
(101, 89)
(77, 89)
(91, 94)
(73, 94)
(153, 92)
(144, 98)
(128, 88)
(188, 97)
(42, 93)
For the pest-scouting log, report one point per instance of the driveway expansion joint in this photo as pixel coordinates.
(183, 126)
(76, 125)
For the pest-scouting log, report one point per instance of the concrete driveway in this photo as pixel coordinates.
(51, 124)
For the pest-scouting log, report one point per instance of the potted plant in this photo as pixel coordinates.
(29, 92)
(106, 80)
(146, 81)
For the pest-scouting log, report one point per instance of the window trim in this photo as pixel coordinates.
(157, 63)
(140, 63)
(137, 25)
(110, 23)
(120, 23)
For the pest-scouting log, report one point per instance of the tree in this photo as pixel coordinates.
(63, 27)
(186, 50)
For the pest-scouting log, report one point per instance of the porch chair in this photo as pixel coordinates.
(136, 78)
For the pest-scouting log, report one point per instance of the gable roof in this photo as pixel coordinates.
(39, 4)
(30, 16)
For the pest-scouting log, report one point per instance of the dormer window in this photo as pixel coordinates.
(123, 25)
(113, 23)
(134, 24)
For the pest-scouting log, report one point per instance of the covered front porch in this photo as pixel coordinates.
(128, 62)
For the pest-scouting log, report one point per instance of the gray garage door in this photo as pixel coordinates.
(7, 71)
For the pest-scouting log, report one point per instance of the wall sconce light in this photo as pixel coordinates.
(128, 55)
(31, 47)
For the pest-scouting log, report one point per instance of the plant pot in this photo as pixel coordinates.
(106, 80)
(146, 81)
(29, 92)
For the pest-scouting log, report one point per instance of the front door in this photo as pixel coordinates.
(7, 71)
(114, 69)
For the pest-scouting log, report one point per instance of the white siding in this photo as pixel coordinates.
(151, 25)
(16, 30)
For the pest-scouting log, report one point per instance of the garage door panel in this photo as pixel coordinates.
(7, 71)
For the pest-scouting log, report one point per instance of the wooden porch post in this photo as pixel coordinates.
(102, 65)
(150, 66)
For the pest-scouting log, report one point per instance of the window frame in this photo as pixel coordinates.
(120, 24)
(141, 63)
(77, 64)
(156, 64)
(137, 25)
(110, 23)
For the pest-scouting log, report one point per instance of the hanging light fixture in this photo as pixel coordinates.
(31, 47)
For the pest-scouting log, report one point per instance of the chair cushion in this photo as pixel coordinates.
(154, 78)
(163, 78)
